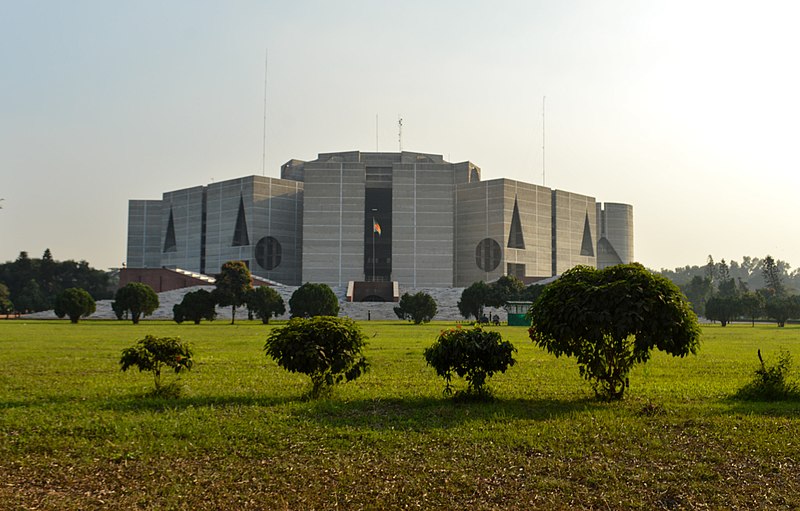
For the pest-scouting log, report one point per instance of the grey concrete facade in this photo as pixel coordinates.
(574, 224)
(408, 217)
(511, 219)
(144, 234)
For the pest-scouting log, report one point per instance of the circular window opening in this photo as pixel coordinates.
(268, 253)
(487, 254)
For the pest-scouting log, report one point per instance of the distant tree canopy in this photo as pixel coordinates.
(755, 288)
(748, 274)
(33, 284)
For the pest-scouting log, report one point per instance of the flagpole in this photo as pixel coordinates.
(373, 249)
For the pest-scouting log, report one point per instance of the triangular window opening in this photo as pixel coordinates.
(587, 246)
(515, 238)
(240, 237)
(170, 244)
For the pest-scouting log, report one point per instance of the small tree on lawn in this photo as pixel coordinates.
(313, 300)
(74, 303)
(327, 349)
(233, 283)
(473, 299)
(265, 303)
(752, 304)
(781, 308)
(155, 354)
(611, 319)
(419, 307)
(137, 298)
(723, 309)
(473, 354)
(195, 306)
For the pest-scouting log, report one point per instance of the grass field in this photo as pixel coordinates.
(76, 433)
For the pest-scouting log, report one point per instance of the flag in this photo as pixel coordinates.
(376, 227)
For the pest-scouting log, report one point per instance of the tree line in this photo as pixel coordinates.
(756, 288)
(31, 285)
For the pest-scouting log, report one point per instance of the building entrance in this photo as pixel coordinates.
(378, 235)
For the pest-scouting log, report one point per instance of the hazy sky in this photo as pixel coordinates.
(689, 111)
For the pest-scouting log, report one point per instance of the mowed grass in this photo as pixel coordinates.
(76, 433)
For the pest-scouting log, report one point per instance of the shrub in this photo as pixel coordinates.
(611, 319)
(74, 303)
(313, 300)
(195, 306)
(156, 353)
(419, 307)
(771, 383)
(327, 349)
(473, 354)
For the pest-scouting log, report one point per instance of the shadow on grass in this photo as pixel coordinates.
(787, 408)
(149, 402)
(426, 413)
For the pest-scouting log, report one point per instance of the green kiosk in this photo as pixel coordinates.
(516, 313)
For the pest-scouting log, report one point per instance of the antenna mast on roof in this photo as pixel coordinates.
(400, 132)
(264, 144)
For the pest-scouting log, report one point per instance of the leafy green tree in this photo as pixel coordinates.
(195, 306)
(506, 288)
(781, 308)
(419, 307)
(473, 354)
(473, 299)
(723, 309)
(233, 283)
(611, 319)
(74, 303)
(752, 304)
(155, 354)
(327, 349)
(138, 299)
(6, 306)
(265, 302)
(313, 300)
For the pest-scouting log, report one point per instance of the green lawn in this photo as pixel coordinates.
(76, 433)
